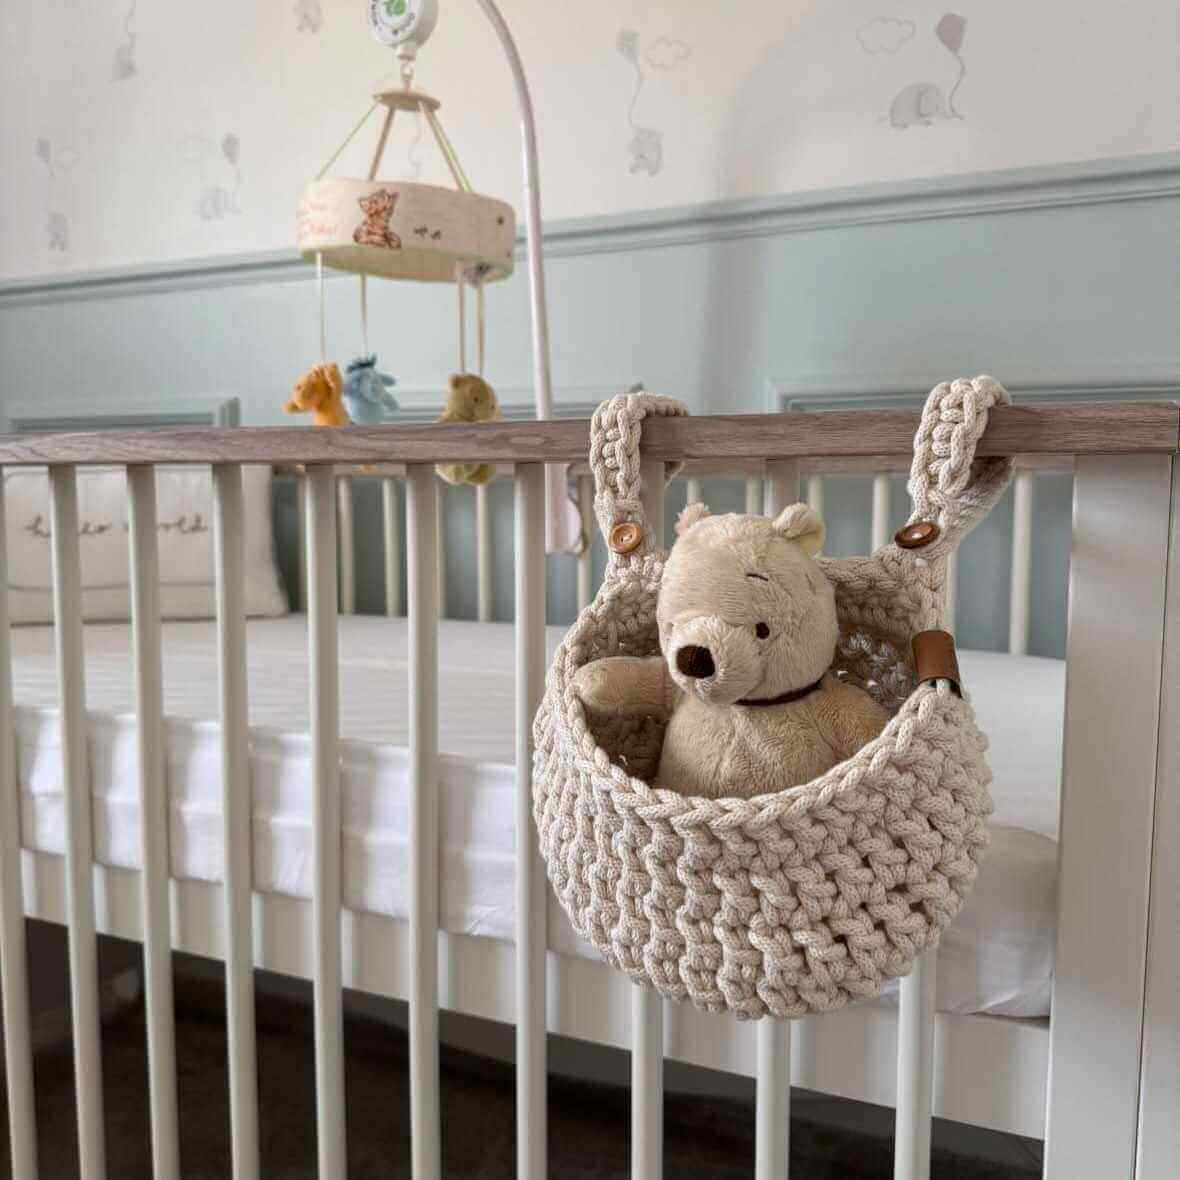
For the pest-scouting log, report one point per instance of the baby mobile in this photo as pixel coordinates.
(402, 230)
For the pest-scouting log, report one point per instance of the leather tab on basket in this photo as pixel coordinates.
(935, 659)
(625, 538)
(917, 535)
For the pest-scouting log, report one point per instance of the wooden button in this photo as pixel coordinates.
(625, 538)
(915, 536)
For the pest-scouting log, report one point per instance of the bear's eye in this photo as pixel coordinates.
(762, 631)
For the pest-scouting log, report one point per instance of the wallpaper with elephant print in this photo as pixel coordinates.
(918, 104)
(135, 131)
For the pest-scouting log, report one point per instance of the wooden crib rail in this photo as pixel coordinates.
(1057, 429)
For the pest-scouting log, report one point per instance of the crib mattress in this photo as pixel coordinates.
(997, 958)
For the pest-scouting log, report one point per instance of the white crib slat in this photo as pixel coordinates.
(1018, 596)
(531, 1138)
(483, 553)
(155, 877)
(440, 549)
(392, 529)
(323, 675)
(423, 543)
(915, 1071)
(647, 1008)
(693, 490)
(1122, 506)
(1158, 1149)
(236, 811)
(772, 1109)
(14, 973)
(753, 495)
(815, 493)
(782, 484)
(67, 615)
(880, 532)
(586, 557)
(347, 542)
(301, 536)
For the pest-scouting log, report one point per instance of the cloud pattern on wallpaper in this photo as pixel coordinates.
(885, 34)
(124, 66)
(57, 161)
(309, 16)
(645, 149)
(920, 103)
(216, 201)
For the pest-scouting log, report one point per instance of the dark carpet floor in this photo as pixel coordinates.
(588, 1124)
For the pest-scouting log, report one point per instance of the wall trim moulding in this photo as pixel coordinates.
(861, 391)
(1092, 182)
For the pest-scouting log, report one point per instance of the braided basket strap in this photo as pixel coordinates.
(947, 485)
(615, 432)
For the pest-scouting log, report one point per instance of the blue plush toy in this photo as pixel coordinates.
(365, 393)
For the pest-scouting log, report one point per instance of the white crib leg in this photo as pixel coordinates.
(423, 546)
(392, 529)
(586, 557)
(236, 811)
(67, 616)
(915, 1071)
(1158, 1147)
(347, 541)
(772, 1110)
(14, 973)
(155, 877)
(647, 1008)
(531, 1024)
(324, 687)
(483, 553)
(1113, 723)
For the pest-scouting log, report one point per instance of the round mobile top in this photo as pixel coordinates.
(402, 22)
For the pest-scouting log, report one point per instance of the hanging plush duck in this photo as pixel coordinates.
(471, 399)
(366, 396)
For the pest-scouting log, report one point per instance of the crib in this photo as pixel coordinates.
(1097, 1080)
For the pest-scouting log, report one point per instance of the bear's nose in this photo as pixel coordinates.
(696, 662)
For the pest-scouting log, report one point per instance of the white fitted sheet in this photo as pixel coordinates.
(997, 957)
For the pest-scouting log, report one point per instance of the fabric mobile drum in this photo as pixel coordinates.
(808, 899)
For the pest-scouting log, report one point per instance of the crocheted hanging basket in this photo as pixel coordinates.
(803, 900)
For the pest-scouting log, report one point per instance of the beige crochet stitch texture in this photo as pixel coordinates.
(808, 899)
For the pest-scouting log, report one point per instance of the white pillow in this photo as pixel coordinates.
(184, 510)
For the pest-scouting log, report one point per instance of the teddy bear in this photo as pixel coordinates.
(319, 390)
(747, 631)
(471, 399)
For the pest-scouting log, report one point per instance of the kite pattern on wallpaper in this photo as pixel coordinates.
(57, 162)
(216, 201)
(645, 149)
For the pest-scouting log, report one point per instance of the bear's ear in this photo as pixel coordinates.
(692, 514)
(799, 523)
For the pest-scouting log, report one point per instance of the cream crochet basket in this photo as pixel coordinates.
(811, 898)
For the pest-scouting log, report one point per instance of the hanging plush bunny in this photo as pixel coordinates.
(366, 395)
